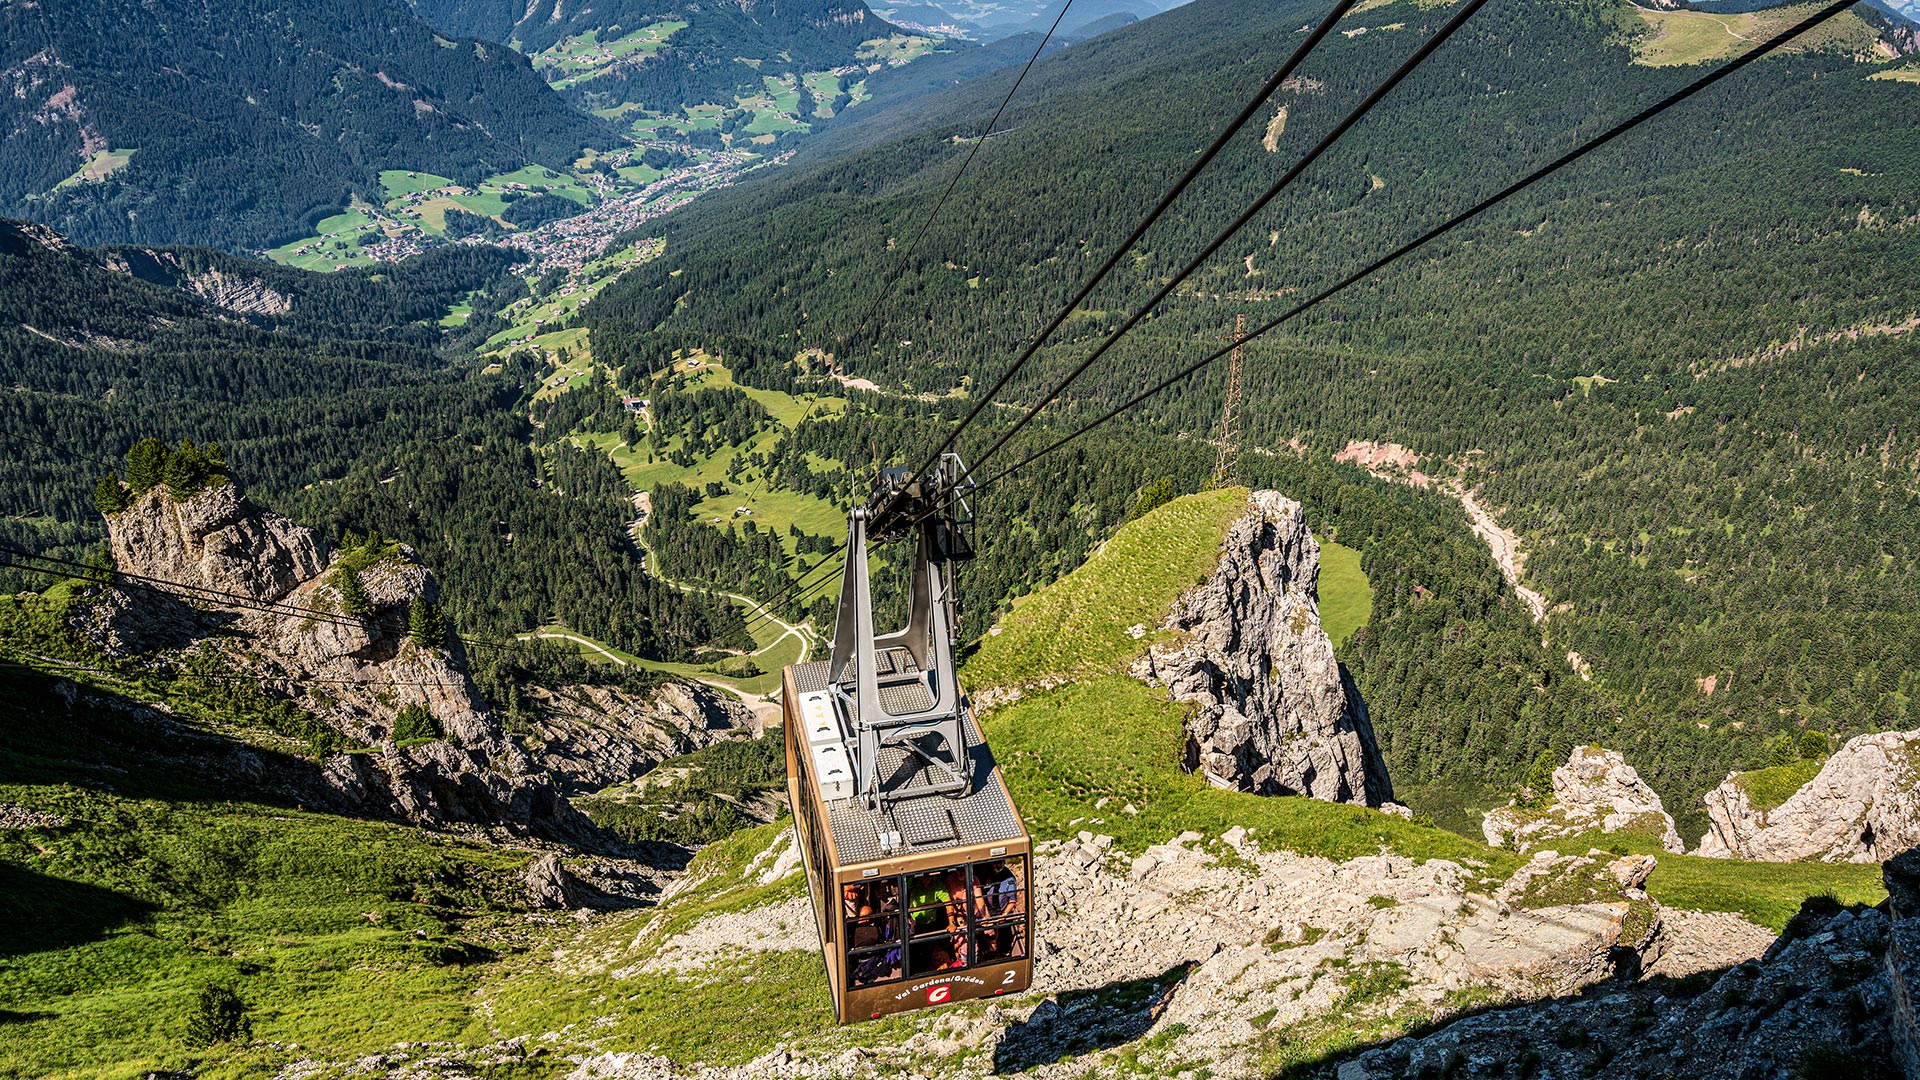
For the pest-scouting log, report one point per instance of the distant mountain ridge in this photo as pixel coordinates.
(237, 124)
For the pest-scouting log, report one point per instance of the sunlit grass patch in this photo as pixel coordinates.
(398, 182)
(1696, 37)
(319, 923)
(1770, 787)
(1346, 600)
(1114, 737)
(1079, 625)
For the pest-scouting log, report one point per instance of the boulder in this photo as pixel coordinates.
(549, 886)
(1595, 791)
(1275, 713)
(1863, 806)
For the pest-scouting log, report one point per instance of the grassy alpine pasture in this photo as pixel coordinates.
(726, 1016)
(583, 57)
(896, 50)
(1696, 37)
(399, 182)
(533, 320)
(417, 203)
(99, 165)
(335, 244)
(1346, 600)
(774, 650)
(1772, 786)
(647, 466)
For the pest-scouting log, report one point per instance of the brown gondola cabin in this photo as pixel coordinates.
(945, 916)
(916, 858)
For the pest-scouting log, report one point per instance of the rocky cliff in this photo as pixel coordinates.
(1595, 791)
(1275, 713)
(589, 737)
(216, 540)
(1863, 806)
(356, 673)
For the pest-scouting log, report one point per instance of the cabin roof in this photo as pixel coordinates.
(929, 823)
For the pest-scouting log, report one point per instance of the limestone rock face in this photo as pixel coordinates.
(1596, 790)
(594, 736)
(548, 883)
(216, 540)
(248, 296)
(1863, 806)
(1276, 713)
(352, 673)
(1829, 994)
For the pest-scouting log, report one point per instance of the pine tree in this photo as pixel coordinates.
(100, 565)
(1782, 750)
(415, 723)
(145, 462)
(218, 1016)
(424, 624)
(185, 470)
(1813, 745)
(108, 496)
(353, 595)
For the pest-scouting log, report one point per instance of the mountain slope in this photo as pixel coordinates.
(1170, 939)
(329, 396)
(662, 56)
(1681, 373)
(238, 124)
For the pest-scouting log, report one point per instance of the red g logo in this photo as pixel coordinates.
(939, 995)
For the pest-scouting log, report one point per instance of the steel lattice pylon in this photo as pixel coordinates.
(1226, 468)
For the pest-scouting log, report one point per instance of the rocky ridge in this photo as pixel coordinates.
(1276, 713)
(1863, 806)
(354, 673)
(588, 737)
(1833, 997)
(1595, 791)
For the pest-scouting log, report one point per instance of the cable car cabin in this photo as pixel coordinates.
(917, 861)
(923, 904)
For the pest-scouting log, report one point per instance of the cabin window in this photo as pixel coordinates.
(956, 917)
(870, 911)
(999, 911)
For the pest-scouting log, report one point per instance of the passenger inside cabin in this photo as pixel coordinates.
(873, 931)
(928, 903)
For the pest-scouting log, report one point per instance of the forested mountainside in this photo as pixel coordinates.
(238, 124)
(317, 388)
(1683, 371)
(660, 57)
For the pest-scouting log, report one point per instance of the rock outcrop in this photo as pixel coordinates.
(1902, 876)
(216, 540)
(353, 673)
(592, 736)
(1205, 951)
(549, 886)
(1834, 998)
(234, 291)
(1863, 806)
(1276, 713)
(1595, 791)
